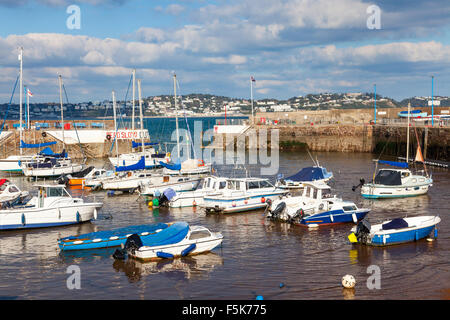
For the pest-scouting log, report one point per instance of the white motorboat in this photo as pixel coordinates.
(158, 184)
(187, 167)
(127, 181)
(10, 194)
(51, 167)
(316, 206)
(152, 159)
(243, 194)
(396, 183)
(308, 174)
(178, 240)
(210, 186)
(53, 206)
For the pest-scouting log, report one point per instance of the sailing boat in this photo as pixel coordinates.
(53, 166)
(13, 163)
(398, 183)
(152, 158)
(189, 166)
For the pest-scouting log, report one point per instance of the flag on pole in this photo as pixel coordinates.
(29, 93)
(253, 79)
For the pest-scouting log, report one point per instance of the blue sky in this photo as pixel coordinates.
(291, 47)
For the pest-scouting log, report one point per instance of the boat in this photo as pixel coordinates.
(242, 194)
(187, 167)
(157, 184)
(395, 231)
(178, 240)
(79, 178)
(397, 183)
(412, 114)
(53, 206)
(308, 174)
(109, 238)
(316, 206)
(209, 186)
(152, 159)
(10, 194)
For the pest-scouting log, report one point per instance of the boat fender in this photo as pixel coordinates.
(233, 203)
(194, 203)
(435, 232)
(95, 213)
(279, 209)
(23, 219)
(263, 200)
(164, 255)
(355, 219)
(78, 217)
(186, 251)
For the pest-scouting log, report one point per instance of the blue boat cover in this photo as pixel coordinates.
(169, 193)
(37, 145)
(49, 152)
(309, 174)
(135, 144)
(394, 163)
(120, 232)
(140, 165)
(412, 111)
(173, 234)
(171, 166)
(397, 223)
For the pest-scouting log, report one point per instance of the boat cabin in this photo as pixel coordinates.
(247, 184)
(317, 190)
(51, 191)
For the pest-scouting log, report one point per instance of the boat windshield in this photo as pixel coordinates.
(56, 192)
(388, 177)
(326, 193)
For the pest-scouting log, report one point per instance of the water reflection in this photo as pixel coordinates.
(185, 268)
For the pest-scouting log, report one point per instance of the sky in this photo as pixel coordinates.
(291, 47)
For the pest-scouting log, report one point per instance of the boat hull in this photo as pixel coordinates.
(176, 250)
(218, 204)
(334, 217)
(24, 218)
(386, 192)
(52, 172)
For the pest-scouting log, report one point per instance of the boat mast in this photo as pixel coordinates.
(115, 126)
(407, 135)
(62, 110)
(140, 114)
(251, 98)
(21, 89)
(176, 113)
(134, 90)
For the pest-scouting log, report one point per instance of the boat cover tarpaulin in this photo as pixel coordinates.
(394, 163)
(36, 145)
(397, 223)
(169, 193)
(173, 234)
(49, 152)
(140, 165)
(106, 234)
(389, 178)
(171, 166)
(308, 174)
(135, 144)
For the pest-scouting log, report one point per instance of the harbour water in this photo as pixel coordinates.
(257, 257)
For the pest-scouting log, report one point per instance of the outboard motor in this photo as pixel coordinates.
(166, 196)
(361, 183)
(278, 210)
(133, 243)
(362, 231)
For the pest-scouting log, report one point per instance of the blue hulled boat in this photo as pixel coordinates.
(150, 234)
(394, 231)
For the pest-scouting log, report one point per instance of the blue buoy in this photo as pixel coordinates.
(435, 233)
(110, 193)
(186, 251)
(259, 298)
(281, 285)
(164, 255)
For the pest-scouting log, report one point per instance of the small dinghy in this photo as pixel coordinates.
(109, 238)
(394, 231)
(178, 240)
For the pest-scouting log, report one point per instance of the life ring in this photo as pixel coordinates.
(108, 137)
(44, 134)
(202, 163)
(263, 200)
